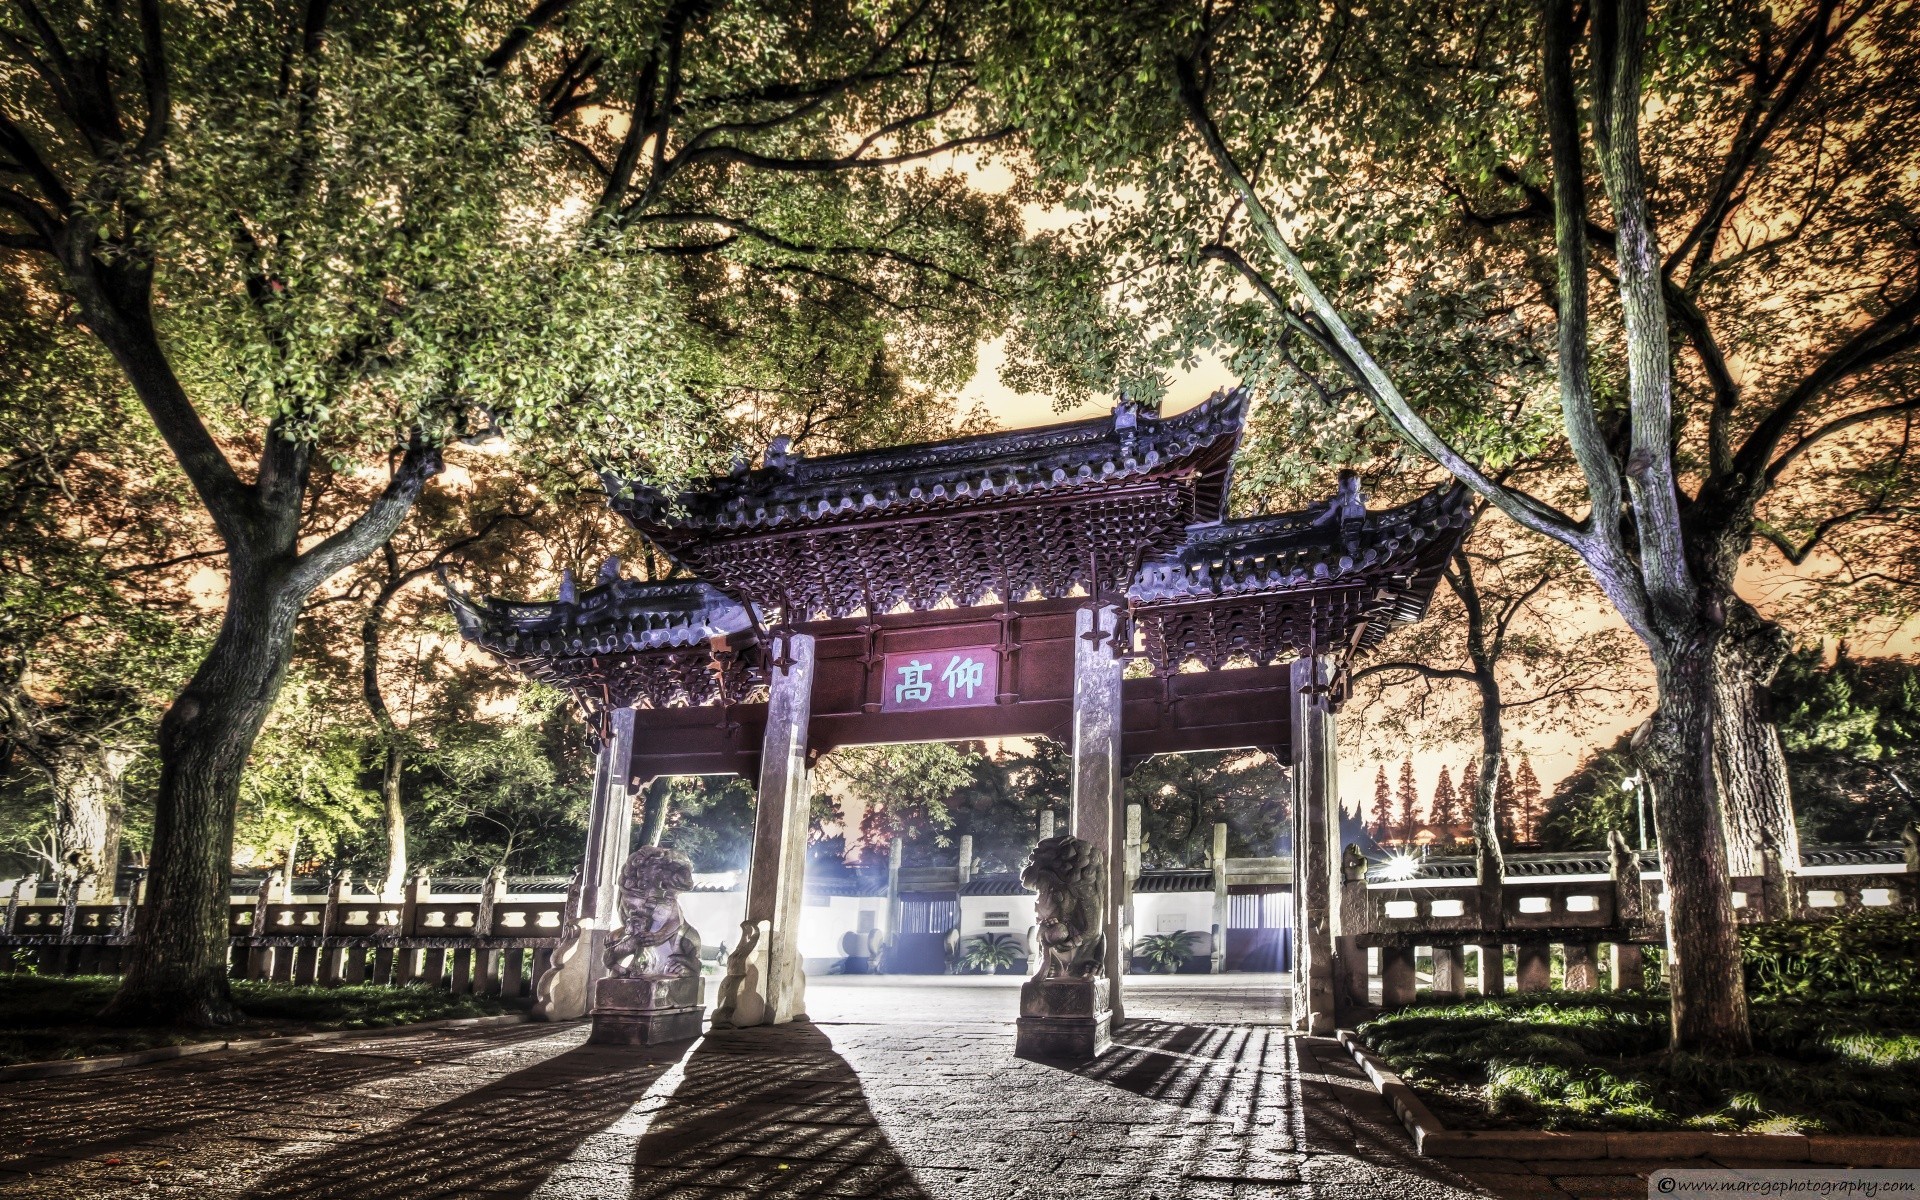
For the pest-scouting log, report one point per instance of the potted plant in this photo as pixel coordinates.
(991, 951)
(1167, 952)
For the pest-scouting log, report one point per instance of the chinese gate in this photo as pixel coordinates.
(993, 586)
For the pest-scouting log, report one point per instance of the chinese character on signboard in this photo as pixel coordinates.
(940, 679)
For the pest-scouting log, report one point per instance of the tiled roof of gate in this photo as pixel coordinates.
(1323, 545)
(617, 616)
(792, 490)
(1334, 576)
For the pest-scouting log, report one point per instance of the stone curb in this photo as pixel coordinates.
(1431, 1139)
(55, 1068)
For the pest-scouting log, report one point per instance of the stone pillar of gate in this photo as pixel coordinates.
(1316, 838)
(1072, 1019)
(566, 991)
(765, 984)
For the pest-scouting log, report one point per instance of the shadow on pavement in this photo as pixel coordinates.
(45, 1123)
(1193, 1066)
(499, 1140)
(769, 1112)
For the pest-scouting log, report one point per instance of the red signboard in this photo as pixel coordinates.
(940, 679)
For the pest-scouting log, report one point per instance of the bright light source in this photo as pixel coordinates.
(1400, 866)
(1629, 783)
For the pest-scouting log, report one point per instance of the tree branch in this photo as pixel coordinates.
(1367, 372)
(374, 526)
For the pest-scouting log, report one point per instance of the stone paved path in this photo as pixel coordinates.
(897, 1089)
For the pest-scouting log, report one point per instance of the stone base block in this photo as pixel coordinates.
(1063, 1020)
(648, 1028)
(645, 1010)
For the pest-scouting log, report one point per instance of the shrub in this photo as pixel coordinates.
(1167, 952)
(991, 951)
(1868, 954)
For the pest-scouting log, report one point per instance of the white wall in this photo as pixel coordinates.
(826, 920)
(1165, 912)
(973, 917)
(717, 915)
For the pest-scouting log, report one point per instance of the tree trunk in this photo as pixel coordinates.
(395, 819)
(1703, 941)
(1491, 859)
(394, 758)
(89, 810)
(1750, 766)
(659, 796)
(177, 967)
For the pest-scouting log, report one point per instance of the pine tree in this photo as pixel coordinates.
(1409, 798)
(1382, 806)
(1470, 786)
(1445, 812)
(1503, 814)
(1526, 802)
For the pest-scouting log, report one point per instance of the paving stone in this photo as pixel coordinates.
(900, 1089)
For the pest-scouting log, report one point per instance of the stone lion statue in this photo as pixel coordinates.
(1070, 877)
(656, 939)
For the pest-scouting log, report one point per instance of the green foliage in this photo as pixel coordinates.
(1590, 802)
(1182, 796)
(711, 821)
(1829, 1063)
(1851, 732)
(509, 789)
(904, 792)
(1000, 806)
(1166, 952)
(301, 792)
(1866, 953)
(991, 952)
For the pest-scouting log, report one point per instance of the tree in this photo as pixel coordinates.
(382, 227)
(1506, 635)
(1851, 731)
(1396, 198)
(1382, 805)
(401, 562)
(97, 626)
(1526, 802)
(1182, 797)
(1594, 801)
(1446, 805)
(1000, 806)
(712, 821)
(1407, 805)
(1470, 778)
(253, 219)
(1504, 801)
(904, 793)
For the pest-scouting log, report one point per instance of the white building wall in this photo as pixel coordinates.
(1167, 912)
(825, 922)
(717, 916)
(1011, 915)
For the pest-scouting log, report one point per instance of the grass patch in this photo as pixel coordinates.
(44, 1018)
(1833, 1063)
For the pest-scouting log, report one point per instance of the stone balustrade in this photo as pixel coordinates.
(490, 942)
(1591, 914)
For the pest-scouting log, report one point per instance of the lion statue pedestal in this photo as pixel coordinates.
(1064, 1015)
(653, 991)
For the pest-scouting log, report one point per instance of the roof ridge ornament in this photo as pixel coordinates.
(781, 456)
